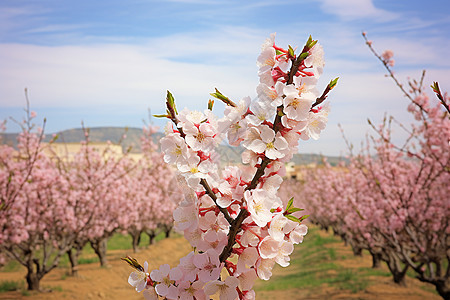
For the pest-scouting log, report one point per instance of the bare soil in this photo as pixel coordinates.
(95, 282)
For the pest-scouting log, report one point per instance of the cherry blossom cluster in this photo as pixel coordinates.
(233, 217)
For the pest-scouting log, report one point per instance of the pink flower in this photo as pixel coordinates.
(166, 278)
(259, 203)
(227, 289)
(138, 279)
(269, 143)
(208, 265)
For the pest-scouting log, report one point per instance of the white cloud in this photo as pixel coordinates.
(356, 9)
(191, 66)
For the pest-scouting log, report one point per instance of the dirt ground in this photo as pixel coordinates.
(111, 282)
(95, 282)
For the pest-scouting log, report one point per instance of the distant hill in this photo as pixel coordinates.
(114, 135)
(96, 134)
(103, 134)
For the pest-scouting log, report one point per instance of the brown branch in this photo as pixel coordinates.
(213, 196)
(235, 226)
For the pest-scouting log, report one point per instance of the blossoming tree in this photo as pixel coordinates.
(33, 226)
(234, 219)
(151, 193)
(395, 203)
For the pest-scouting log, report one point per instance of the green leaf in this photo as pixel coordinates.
(313, 44)
(292, 218)
(294, 209)
(304, 55)
(290, 202)
(161, 116)
(291, 51)
(278, 52)
(435, 86)
(309, 41)
(219, 95)
(304, 217)
(223, 98)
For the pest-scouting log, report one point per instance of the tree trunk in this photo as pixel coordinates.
(376, 260)
(99, 246)
(357, 251)
(151, 236)
(136, 236)
(443, 288)
(33, 280)
(74, 254)
(167, 230)
(397, 272)
(73, 258)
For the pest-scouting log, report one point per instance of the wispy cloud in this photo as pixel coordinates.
(356, 9)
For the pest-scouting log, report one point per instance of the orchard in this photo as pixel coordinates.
(390, 200)
(53, 205)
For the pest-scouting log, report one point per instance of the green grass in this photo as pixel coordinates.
(88, 260)
(11, 285)
(313, 264)
(374, 272)
(56, 288)
(11, 266)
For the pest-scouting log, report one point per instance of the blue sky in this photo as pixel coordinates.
(107, 62)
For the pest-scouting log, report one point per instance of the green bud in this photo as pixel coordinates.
(304, 55)
(435, 87)
(333, 83)
(133, 263)
(169, 98)
(210, 104)
(171, 107)
(309, 41)
(171, 102)
(223, 98)
(291, 51)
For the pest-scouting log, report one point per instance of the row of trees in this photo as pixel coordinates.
(53, 204)
(393, 200)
